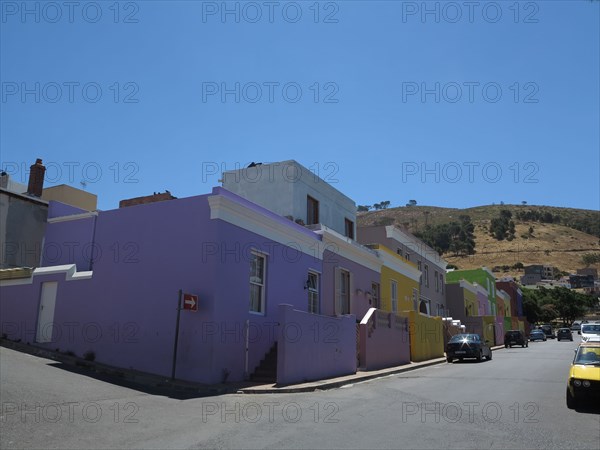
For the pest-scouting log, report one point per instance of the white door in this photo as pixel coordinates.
(46, 313)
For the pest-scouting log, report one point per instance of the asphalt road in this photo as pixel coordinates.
(517, 400)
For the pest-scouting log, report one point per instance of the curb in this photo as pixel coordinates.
(349, 379)
(166, 385)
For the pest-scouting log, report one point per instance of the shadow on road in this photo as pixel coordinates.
(167, 388)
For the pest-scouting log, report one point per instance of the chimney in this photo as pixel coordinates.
(4, 180)
(36, 178)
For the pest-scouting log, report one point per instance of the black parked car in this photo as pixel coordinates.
(564, 333)
(462, 346)
(537, 335)
(515, 337)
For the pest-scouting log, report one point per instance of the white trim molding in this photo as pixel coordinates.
(230, 211)
(415, 245)
(85, 215)
(349, 249)
(70, 271)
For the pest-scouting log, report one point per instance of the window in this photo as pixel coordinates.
(375, 295)
(442, 281)
(313, 292)
(257, 282)
(437, 282)
(415, 299)
(426, 275)
(394, 295)
(399, 251)
(420, 276)
(312, 211)
(349, 228)
(407, 256)
(344, 292)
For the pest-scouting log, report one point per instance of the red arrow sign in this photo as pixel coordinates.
(190, 302)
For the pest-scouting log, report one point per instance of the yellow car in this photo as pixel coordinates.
(584, 376)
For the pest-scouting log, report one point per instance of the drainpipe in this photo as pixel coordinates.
(93, 243)
(247, 342)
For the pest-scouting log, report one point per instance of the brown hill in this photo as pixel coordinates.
(555, 244)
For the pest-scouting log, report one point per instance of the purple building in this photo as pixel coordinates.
(110, 286)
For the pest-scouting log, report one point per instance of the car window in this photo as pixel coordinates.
(593, 329)
(463, 337)
(588, 356)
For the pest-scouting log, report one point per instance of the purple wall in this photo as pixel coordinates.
(126, 313)
(384, 340)
(362, 277)
(499, 330)
(313, 347)
(58, 209)
(483, 304)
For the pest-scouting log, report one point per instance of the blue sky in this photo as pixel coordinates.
(441, 102)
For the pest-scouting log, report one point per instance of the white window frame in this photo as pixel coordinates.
(341, 306)
(394, 295)
(262, 285)
(313, 292)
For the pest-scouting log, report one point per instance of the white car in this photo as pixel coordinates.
(589, 330)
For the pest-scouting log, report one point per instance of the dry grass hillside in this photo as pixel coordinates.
(553, 244)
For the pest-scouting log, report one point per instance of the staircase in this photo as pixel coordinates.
(266, 372)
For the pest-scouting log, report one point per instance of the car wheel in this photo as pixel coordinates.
(489, 358)
(571, 402)
(460, 360)
(448, 359)
(480, 356)
(505, 346)
(522, 345)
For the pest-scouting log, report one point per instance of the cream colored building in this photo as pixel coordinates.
(71, 196)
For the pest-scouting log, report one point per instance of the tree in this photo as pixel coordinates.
(545, 305)
(503, 227)
(570, 304)
(362, 208)
(523, 203)
(590, 258)
(384, 204)
(455, 237)
(531, 307)
(412, 203)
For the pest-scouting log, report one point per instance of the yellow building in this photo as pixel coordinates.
(71, 196)
(470, 297)
(399, 281)
(400, 294)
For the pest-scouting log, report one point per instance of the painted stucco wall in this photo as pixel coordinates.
(508, 324)
(313, 347)
(405, 290)
(283, 187)
(426, 336)
(361, 279)
(480, 276)
(22, 228)
(419, 252)
(483, 305)
(131, 299)
(384, 340)
(516, 297)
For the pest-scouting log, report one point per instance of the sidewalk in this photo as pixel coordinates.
(332, 383)
(160, 385)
